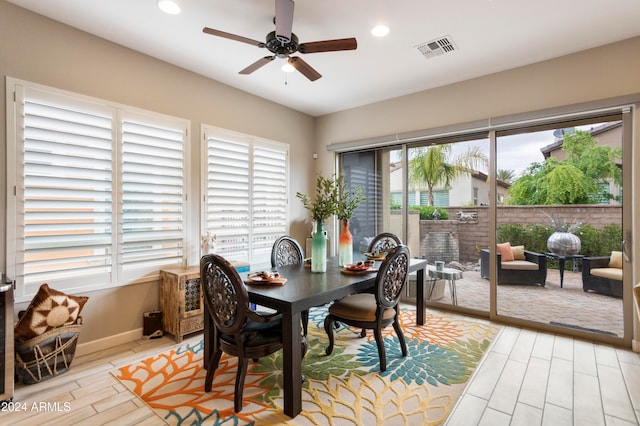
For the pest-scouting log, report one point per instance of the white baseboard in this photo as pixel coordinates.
(108, 342)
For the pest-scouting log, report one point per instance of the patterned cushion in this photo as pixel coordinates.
(49, 309)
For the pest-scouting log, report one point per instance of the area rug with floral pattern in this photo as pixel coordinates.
(344, 388)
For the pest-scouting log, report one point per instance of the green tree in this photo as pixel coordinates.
(575, 180)
(433, 166)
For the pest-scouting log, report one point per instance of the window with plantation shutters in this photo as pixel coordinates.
(98, 192)
(269, 198)
(152, 214)
(65, 190)
(227, 197)
(245, 190)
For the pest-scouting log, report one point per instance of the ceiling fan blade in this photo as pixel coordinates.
(329, 45)
(257, 64)
(232, 37)
(304, 68)
(284, 19)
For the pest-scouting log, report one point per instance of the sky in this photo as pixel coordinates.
(515, 152)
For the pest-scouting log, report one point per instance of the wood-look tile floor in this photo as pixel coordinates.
(526, 378)
(534, 378)
(89, 393)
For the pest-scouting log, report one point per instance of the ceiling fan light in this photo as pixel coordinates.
(169, 6)
(380, 30)
(287, 67)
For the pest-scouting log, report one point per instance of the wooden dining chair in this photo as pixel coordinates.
(378, 310)
(238, 330)
(384, 242)
(381, 244)
(288, 251)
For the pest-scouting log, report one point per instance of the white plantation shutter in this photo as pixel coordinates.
(269, 201)
(64, 201)
(245, 191)
(152, 228)
(228, 197)
(99, 192)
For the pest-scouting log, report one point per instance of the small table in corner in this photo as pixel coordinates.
(561, 259)
(448, 274)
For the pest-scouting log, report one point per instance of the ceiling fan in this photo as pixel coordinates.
(283, 43)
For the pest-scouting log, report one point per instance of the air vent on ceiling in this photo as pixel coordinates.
(437, 47)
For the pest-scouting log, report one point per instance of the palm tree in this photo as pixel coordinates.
(505, 175)
(432, 166)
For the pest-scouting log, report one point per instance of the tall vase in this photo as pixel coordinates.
(319, 248)
(345, 244)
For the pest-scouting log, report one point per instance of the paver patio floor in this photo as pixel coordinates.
(567, 306)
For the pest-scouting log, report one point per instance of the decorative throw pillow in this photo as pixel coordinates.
(49, 309)
(615, 261)
(505, 250)
(518, 253)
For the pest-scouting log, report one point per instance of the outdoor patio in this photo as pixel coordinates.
(568, 306)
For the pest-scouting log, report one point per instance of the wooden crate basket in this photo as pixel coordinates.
(47, 355)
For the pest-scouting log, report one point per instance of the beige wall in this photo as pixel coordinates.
(43, 51)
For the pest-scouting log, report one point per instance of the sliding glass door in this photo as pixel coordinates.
(434, 196)
(559, 230)
(528, 220)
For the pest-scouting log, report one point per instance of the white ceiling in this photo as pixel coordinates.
(489, 36)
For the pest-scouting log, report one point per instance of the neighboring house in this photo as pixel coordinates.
(468, 189)
(609, 134)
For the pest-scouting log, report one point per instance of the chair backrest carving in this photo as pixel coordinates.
(384, 242)
(392, 277)
(286, 251)
(224, 292)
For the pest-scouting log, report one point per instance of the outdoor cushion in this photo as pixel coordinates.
(505, 251)
(520, 265)
(610, 273)
(518, 252)
(616, 260)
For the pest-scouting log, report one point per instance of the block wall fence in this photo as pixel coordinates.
(473, 234)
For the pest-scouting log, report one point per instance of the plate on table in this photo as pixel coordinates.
(259, 279)
(358, 268)
(379, 256)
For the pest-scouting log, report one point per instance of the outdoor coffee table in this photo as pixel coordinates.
(448, 274)
(561, 259)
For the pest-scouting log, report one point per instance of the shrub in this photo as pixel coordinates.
(533, 237)
(600, 242)
(594, 241)
(426, 212)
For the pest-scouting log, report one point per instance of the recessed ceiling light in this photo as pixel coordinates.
(169, 6)
(380, 30)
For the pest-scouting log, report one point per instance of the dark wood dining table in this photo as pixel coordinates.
(303, 290)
